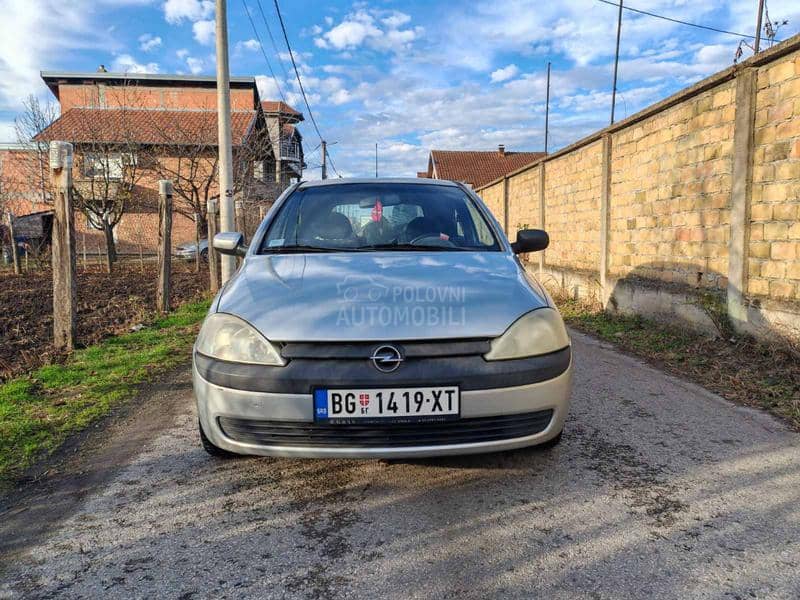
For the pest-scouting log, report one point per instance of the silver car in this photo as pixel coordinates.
(381, 318)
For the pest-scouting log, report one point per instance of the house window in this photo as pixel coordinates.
(258, 170)
(106, 165)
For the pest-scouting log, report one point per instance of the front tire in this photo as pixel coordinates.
(213, 450)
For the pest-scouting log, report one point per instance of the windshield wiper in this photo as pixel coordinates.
(299, 249)
(413, 247)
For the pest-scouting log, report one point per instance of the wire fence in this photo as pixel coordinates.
(108, 301)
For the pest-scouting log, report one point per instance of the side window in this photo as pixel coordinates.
(482, 230)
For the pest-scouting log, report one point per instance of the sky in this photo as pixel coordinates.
(410, 75)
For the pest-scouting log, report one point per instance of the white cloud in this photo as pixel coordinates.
(396, 19)
(38, 35)
(148, 42)
(125, 63)
(508, 72)
(182, 53)
(340, 97)
(204, 32)
(195, 65)
(363, 27)
(251, 45)
(176, 11)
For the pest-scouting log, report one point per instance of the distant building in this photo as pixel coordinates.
(475, 168)
(172, 121)
(286, 140)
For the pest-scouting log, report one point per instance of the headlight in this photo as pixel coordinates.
(227, 337)
(540, 331)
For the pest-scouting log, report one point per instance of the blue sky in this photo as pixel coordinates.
(410, 75)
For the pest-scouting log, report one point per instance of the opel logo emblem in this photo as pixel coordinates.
(386, 358)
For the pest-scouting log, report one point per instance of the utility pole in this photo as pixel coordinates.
(324, 159)
(547, 110)
(758, 26)
(616, 64)
(228, 263)
(376, 160)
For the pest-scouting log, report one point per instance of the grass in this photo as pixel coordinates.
(738, 368)
(39, 411)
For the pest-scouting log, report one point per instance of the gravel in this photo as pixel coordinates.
(659, 489)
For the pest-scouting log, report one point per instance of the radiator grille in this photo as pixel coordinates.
(463, 431)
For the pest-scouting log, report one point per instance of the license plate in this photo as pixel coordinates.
(383, 404)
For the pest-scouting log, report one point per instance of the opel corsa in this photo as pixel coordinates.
(380, 318)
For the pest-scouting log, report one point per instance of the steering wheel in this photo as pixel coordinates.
(431, 236)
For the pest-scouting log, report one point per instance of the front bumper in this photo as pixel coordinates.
(215, 402)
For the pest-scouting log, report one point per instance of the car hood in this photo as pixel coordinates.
(373, 296)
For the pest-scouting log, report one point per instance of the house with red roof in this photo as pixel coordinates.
(476, 168)
(161, 127)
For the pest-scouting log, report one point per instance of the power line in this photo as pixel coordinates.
(272, 40)
(300, 82)
(264, 54)
(709, 28)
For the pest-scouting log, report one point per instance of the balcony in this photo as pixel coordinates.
(290, 151)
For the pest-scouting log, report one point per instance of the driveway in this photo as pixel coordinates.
(659, 489)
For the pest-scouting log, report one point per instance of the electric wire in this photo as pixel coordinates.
(673, 20)
(263, 53)
(300, 84)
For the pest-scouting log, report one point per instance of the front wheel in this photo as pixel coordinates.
(213, 450)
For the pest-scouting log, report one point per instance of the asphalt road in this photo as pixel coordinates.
(658, 490)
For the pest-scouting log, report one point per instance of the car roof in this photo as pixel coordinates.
(390, 180)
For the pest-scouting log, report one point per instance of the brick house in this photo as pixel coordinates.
(160, 127)
(475, 168)
(286, 139)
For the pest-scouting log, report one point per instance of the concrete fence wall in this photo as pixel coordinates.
(689, 209)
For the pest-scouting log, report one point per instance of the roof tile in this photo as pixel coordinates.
(478, 168)
(167, 127)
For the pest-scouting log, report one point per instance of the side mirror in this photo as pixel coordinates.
(530, 240)
(230, 242)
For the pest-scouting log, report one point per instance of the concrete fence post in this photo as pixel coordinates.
(14, 250)
(164, 245)
(505, 208)
(605, 197)
(741, 189)
(542, 220)
(65, 293)
(213, 262)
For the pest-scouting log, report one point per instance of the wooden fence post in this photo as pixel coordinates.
(164, 244)
(241, 220)
(213, 263)
(65, 294)
(14, 249)
(197, 257)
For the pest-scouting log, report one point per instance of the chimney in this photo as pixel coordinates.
(501, 149)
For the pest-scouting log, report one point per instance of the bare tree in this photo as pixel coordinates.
(35, 118)
(108, 172)
(187, 155)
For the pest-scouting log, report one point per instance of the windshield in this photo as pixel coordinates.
(379, 216)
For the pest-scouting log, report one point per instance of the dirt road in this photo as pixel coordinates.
(659, 490)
